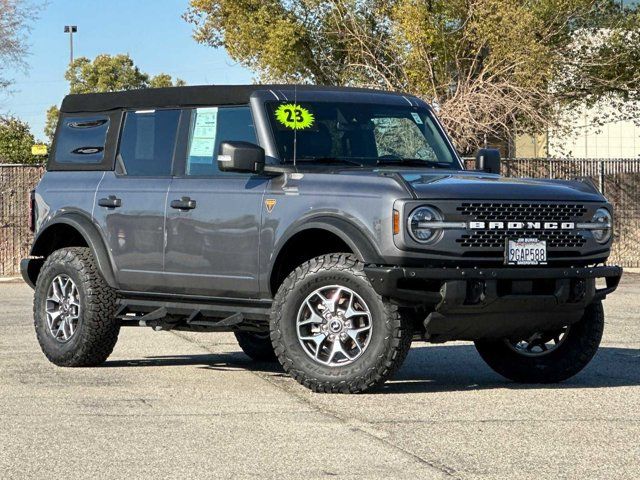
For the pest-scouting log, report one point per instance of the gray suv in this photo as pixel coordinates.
(326, 227)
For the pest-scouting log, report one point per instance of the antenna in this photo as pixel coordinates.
(295, 124)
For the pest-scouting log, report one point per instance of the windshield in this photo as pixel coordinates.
(359, 134)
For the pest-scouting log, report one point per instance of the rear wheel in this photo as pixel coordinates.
(256, 345)
(332, 332)
(74, 310)
(547, 357)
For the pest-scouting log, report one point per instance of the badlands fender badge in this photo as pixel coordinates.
(270, 203)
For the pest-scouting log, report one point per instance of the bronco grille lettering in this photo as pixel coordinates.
(516, 225)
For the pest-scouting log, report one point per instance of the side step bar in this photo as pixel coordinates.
(170, 315)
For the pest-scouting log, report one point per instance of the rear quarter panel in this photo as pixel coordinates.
(64, 192)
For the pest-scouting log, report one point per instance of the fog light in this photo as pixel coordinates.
(475, 292)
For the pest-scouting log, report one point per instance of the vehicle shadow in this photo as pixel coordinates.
(459, 367)
(212, 361)
(430, 369)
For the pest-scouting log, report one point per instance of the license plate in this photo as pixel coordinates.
(526, 251)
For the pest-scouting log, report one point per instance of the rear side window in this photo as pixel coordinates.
(209, 127)
(81, 140)
(147, 142)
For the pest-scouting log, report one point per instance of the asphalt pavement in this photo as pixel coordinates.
(185, 405)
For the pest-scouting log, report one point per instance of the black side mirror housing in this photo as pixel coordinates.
(242, 157)
(488, 160)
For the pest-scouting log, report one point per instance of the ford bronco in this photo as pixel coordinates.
(326, 227)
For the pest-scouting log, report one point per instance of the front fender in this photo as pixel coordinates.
(353, 235)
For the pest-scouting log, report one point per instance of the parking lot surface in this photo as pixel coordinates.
(182, 405)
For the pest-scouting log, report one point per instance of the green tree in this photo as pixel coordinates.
(51, 121)
(16, 141)
(106, 73)
(164, 80)
(485, 63)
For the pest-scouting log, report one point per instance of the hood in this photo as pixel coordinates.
(471, 185)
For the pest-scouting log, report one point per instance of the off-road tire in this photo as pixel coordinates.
(390, 338)
(569, 358)
(97, 330)
(257, 346)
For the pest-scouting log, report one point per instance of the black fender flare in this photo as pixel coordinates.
(355, 237)
(83, 225)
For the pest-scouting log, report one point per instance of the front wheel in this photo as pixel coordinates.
(332, 332)
(547, 357)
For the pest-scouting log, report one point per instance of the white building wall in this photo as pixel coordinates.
(588, 140)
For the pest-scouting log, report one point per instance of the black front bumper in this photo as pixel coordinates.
(481, 303)
(405, 283)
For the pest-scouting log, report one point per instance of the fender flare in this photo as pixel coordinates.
(355, 237)
(83, 225)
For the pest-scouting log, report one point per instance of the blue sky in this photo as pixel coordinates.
(151, 31)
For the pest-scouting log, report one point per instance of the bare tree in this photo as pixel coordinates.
(15, 18)
(487, 64)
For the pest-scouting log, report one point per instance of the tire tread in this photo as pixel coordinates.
(399, 342)
(100, 329)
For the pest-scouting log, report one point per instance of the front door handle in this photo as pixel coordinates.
(110, 202)
(185, 203)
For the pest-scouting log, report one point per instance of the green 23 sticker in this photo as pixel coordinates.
(293, 116)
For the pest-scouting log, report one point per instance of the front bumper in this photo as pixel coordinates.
(399, 282)
(477, 303)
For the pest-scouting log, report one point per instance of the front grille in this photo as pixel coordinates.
(521, 212)
(497, 238)
(551, 212)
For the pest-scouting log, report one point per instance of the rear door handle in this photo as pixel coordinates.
(185, 203)
(110, 202)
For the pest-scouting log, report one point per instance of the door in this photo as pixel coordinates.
(213, 218)
(130, 202)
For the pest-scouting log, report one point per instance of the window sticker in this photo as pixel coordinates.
(294, 116)
(203, 138)
(417, 118)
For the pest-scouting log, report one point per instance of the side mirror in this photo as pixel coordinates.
(488, 160)
(240, 157)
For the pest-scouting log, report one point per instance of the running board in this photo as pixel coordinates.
(169, 315)
(232, 320)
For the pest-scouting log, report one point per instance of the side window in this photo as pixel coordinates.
(209, 127)
(81, 139)
(147, 142)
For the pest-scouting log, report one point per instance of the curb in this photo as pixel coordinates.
(10, 279)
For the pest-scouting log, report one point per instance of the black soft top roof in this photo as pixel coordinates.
(186, 96)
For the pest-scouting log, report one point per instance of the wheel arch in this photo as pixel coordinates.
(328, 233)
(72, 230)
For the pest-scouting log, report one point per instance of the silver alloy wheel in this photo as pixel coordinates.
(334, 325)
(63, 308)
(539, 344)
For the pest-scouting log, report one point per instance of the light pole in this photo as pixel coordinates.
(70, 29)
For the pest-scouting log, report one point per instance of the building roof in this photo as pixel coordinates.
(186, 96)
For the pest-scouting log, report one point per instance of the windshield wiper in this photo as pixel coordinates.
(414, 162)
(327, 160)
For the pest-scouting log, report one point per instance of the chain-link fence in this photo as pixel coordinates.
(618, 178)
(16, 181)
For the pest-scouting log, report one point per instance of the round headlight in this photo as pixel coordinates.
(602, 216)
(419, 227)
